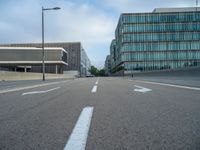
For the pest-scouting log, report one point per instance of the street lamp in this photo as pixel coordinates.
(43, 56)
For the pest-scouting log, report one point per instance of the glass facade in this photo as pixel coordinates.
(85, 63)
(107, 65)
(113, 54)
(157, 40)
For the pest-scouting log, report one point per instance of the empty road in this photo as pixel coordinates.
(99, 114)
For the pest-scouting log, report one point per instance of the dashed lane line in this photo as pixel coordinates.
(78, 137)
(94, 89)
(97, 81)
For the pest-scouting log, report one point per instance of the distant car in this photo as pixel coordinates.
(90, 75)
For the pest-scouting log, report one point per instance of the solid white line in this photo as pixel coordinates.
(171, 85)
(78, 137)
(94, 89)
(38, 92)
(30, 87)
(137, 86)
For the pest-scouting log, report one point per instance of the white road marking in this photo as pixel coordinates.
(30, 87)
(97, 81)
(94, 89)
(78, 137)
(171, 85)
(142, 89)
(38, 92)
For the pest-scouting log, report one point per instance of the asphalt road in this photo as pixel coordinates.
(186, 81)
(14, 84)
(127, 115)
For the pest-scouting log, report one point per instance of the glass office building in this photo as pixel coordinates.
(164, 39)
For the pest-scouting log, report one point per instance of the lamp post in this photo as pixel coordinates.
(43, 54)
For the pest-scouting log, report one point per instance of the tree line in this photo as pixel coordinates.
(97, 72)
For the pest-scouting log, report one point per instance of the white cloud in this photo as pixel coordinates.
(92, 23)
(144, 5)
(83, 22)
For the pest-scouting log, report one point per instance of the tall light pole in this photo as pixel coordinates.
(43, 54)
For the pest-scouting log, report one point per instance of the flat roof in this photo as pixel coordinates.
(31, 48)
(31, 62)
(177, 9)
(167, 11)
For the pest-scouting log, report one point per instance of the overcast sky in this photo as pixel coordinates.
(92, 22)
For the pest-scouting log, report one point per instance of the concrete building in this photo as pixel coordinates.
(77, 59)
(167, 38)
(29, 59)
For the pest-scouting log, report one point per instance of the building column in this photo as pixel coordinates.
(56, 69)
(25, 69)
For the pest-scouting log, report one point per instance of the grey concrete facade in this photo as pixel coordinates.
(74, 54)
(29, 59)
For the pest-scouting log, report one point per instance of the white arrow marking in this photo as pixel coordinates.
(36, 92)
(142, 89)
(171, 85)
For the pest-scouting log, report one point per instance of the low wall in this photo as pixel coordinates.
(185, 77)
(186, 72)
(119, 73)
(5, 75)
(72, 73)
